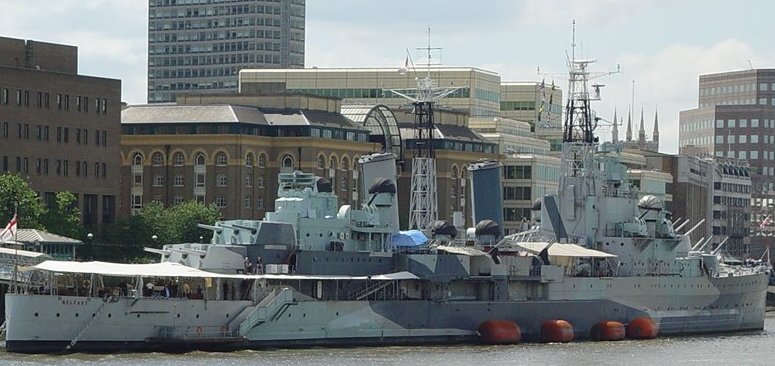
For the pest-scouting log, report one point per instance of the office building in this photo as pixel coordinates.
(58, 129)
(540, 105)
(201, 45)
(735, 119)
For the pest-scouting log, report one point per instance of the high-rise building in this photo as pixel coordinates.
(735, 119)
(201, 45)
(58, 129)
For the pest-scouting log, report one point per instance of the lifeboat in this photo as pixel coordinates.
(642, 328)
(607, 330)
(556, 331)
(499, 332)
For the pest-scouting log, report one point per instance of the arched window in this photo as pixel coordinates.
(137, 159)
(332, 162)
(345, 163)
(454, 172)
(157, 159)
(178, 159)
(321, 162)
(287, 161)
(249, 160)
(200, 159)
(262, 160)
(221, 158)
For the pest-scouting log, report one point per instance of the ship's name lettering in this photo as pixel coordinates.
(73, 302)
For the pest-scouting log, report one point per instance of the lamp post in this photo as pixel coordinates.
(155, 239)
(89, 238)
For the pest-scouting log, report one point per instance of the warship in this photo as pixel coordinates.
(599, 262)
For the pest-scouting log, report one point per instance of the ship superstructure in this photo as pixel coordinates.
(596, 260)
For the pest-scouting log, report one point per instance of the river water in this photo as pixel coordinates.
(751, 348)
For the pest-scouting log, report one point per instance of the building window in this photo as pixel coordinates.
(287, 161)
(137, 179)
(321, 162)
(262, 161)
(248, 201)
(343, 183)
(220, 180)
(178, 159)
(200, 180)
(221, 159)
(157, 159)
(248, 180)
(200, 159)
(260, 202)
(137, 201)
(158, 180)
(179, 181)
(249, 160)
(137, 159)
(260, 181)
(177, 200)
(200, 199)
(220, 202)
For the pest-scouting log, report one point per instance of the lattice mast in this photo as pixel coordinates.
(424, 199)
(579, 141)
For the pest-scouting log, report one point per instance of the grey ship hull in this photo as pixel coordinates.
(679, 306)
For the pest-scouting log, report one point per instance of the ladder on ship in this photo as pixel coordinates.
(265, 310)
(83, 331)
(365, 292)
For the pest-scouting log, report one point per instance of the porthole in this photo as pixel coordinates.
(57, 315)
(138, 315)
(110, 315)
(197, 316)
(36, 315)
(76, 315)
(178, 315)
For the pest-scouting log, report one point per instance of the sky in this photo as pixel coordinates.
(660, 46)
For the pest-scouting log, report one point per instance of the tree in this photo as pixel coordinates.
(185, 217)
(17, 196)
(63, 217)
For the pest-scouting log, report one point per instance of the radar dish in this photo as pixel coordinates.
(650, 202)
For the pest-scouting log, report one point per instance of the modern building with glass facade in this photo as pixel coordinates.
(512, 137)
(201, 45)
(735, 119)
(537, 103)
(526, 177)
(477, 91)
(58, 129)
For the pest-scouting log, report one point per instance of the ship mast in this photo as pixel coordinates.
(424, 198)
(579, 141)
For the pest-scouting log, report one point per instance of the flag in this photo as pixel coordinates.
(403, 70)
(767, 220)
(10, 230)
(543, 98)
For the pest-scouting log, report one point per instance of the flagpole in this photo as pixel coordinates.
(16, 248)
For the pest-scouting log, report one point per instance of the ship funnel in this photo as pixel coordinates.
(378, 186)
(486, 192)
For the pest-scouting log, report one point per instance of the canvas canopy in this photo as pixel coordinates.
(563, 250)
(170, 269)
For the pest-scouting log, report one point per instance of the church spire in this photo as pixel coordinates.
(629, 126)
(642, 131)
(615, 131)
(656, 127)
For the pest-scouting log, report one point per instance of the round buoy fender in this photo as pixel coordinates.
(642, 328)
(556, 331)
(607, 330)
(499, 332)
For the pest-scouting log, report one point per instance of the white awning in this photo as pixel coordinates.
(563, 250)
(171, 269)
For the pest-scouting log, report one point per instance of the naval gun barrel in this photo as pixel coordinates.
(721, 245)
(217, 229)
(698, 243)
(694, 227)
(710, 239)
(681, 226)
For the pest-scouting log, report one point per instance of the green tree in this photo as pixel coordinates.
(185, 217)
(16, 194)
(63, 217)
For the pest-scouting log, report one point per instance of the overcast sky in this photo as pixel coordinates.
(663, 45)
